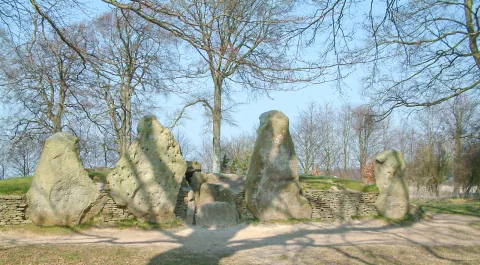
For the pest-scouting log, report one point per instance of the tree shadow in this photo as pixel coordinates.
(364, 242)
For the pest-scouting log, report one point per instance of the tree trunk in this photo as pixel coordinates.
(457, 168)
(217, 120)
(126, 131)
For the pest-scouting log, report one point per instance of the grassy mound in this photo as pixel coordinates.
(18, 186)
(15, 186)
(325, 183)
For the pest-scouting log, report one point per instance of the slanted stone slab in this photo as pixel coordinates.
(393, 199)
(61, 192)
(272, 188)
(147, 177)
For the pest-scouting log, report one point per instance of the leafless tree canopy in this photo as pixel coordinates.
(426, 52)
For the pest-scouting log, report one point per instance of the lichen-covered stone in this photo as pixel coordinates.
(61, 192)
(393, 199)
(272, 189)
(147, 177)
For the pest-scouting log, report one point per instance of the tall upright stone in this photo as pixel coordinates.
(148, 176)
(393, 199)
(272, 188)
(61, 192)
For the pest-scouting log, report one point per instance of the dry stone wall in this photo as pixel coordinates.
(12, 210)
(112, 213)
(182, 203)
(243, 212)
(327, 204)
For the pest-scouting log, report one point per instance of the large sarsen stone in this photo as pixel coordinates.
(61, 192)
(147, 177)
(272, 189)
(393, 200)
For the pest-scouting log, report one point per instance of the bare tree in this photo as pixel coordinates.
(128, 64)
(346, 131)
(238, 41)
(38, 81)
(237, 151)
(187, 147)
(23, 155)
(433, 159)
(365, 126)
(329, 140)
(307, 136)
(460, 125)
(426, 52)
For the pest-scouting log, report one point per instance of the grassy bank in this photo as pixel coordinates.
(18, 186)
(15, 186)
(326, 183)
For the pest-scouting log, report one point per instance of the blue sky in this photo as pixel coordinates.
(246, 115)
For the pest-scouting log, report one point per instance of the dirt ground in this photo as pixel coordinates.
(444, 239)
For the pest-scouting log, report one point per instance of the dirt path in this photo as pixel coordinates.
(267, 240)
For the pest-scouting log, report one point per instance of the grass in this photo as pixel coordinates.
(450, 206)
(19, 186)
(325, 183)
(65, 230)
(15, 186)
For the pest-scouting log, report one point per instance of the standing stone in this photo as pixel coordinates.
(147, 177)
(393, 201)
(272, 189)
(61, 192)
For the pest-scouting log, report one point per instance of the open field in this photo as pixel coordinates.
(444, 239)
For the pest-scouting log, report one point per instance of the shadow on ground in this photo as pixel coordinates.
(445, 239)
